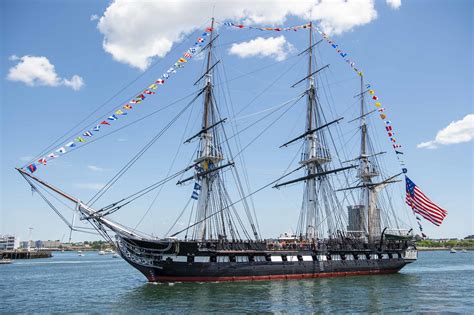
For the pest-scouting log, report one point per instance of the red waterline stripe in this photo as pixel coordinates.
(270, 277)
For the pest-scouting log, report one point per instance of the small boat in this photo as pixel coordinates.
(453, 251)
(464, 251)
(101, 252)
(5, 261)
(115, 255)
(79, 253)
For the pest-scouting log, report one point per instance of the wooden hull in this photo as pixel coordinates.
(210, 272)
(188, 264)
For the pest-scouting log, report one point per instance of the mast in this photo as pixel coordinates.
(366, 172)
(209, 155)
(320, 214)
(310, 146)
(312, 157)
(208, 96)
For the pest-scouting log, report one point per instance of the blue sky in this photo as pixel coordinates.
(418, 57)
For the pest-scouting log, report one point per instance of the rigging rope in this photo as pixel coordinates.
(169, 171)
(50, 204)
(235, 202)
(70, 131)
(129, 164)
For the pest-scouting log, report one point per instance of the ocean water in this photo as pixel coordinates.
(437, 282)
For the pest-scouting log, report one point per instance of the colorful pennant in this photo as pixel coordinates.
(276, 29)
(374, 97)
(179, 64)
(388, 124)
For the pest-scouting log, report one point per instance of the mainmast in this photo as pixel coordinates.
(320, 211)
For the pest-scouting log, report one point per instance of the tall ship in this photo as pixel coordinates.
(346, 224)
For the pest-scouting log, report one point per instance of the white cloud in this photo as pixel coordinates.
(276, 47)
(137, 31)
(75, 83)
(97, 168)
(90, 186)
(94, 17)
(33, 70)
(394, 4)
(456, 132)
(13, 58)
(38, 70)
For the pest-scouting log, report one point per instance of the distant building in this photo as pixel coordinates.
(66, 245)
(39, 244)
(469, 237)
(51, 244)
(9, 242)
(27, 244)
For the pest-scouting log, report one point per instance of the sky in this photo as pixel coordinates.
(60, 61)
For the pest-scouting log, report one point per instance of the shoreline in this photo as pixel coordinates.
(426, 249)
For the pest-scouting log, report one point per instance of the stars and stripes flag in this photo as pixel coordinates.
(423, 206)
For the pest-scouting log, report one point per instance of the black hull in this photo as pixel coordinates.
(168, 264)
(204, 272)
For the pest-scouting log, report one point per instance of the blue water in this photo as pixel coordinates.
(438, 282)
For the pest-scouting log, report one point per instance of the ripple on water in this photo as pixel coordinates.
(437, 282)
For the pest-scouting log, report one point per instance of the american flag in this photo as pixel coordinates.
(423, 206)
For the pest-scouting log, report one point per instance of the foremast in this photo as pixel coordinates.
(209, 163)
(315, 156)
(208, 156)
